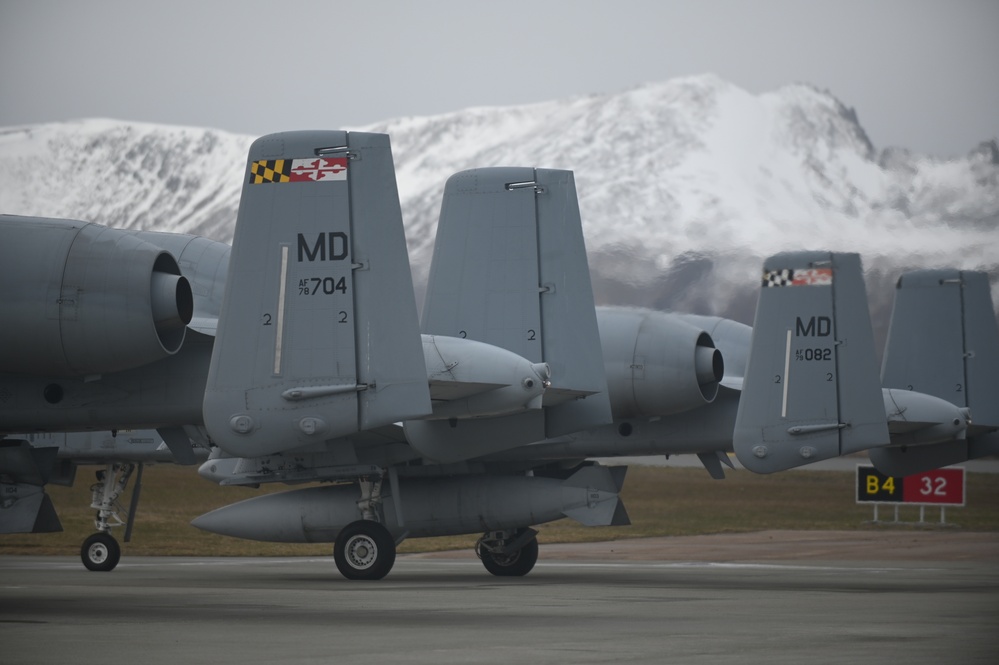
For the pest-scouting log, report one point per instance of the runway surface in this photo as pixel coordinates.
(579, 605)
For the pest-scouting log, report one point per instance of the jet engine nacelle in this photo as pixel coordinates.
(87, 299)
(657, 364)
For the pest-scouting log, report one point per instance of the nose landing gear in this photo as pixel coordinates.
(101, 552)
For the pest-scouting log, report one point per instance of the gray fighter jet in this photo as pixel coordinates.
(479, 418)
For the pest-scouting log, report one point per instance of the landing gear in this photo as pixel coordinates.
(100, 552)
(364, 550)
(508, 553)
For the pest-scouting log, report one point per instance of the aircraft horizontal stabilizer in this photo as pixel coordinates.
(470, 379)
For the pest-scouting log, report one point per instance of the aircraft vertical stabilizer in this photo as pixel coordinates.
(943, 341)
(811, 390)
(509, 269)
(318, 335)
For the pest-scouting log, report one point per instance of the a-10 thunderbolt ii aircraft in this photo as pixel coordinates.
(510, 382)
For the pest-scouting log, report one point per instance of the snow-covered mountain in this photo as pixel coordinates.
(684, 186)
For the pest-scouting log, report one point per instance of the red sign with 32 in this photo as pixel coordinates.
(942, 486)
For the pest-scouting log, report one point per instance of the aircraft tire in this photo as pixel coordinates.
(364, 550)
(517, 564)
(100, 552)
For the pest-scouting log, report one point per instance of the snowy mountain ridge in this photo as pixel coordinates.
(684, 185)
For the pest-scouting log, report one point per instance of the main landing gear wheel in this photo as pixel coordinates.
(517, 563)
(364, 550)
(100, 552)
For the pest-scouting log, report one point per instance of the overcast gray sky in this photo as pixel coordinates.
(922, 74)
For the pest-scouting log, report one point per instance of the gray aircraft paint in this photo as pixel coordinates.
(428, 507)
(812, 327)
(509, 269)
(330, 252)
(90, 300)
(85, 293)
(30, 461)
(318, 336)
(811, 391)
(943, 341)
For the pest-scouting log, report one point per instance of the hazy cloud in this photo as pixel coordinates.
(921, 73)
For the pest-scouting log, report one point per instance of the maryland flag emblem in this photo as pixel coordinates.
(315, 169)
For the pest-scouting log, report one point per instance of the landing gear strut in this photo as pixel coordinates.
(101, 552)
(508, 553)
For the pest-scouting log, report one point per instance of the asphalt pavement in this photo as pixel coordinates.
(594, 609)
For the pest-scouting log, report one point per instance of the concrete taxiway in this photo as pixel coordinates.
(570, 609)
